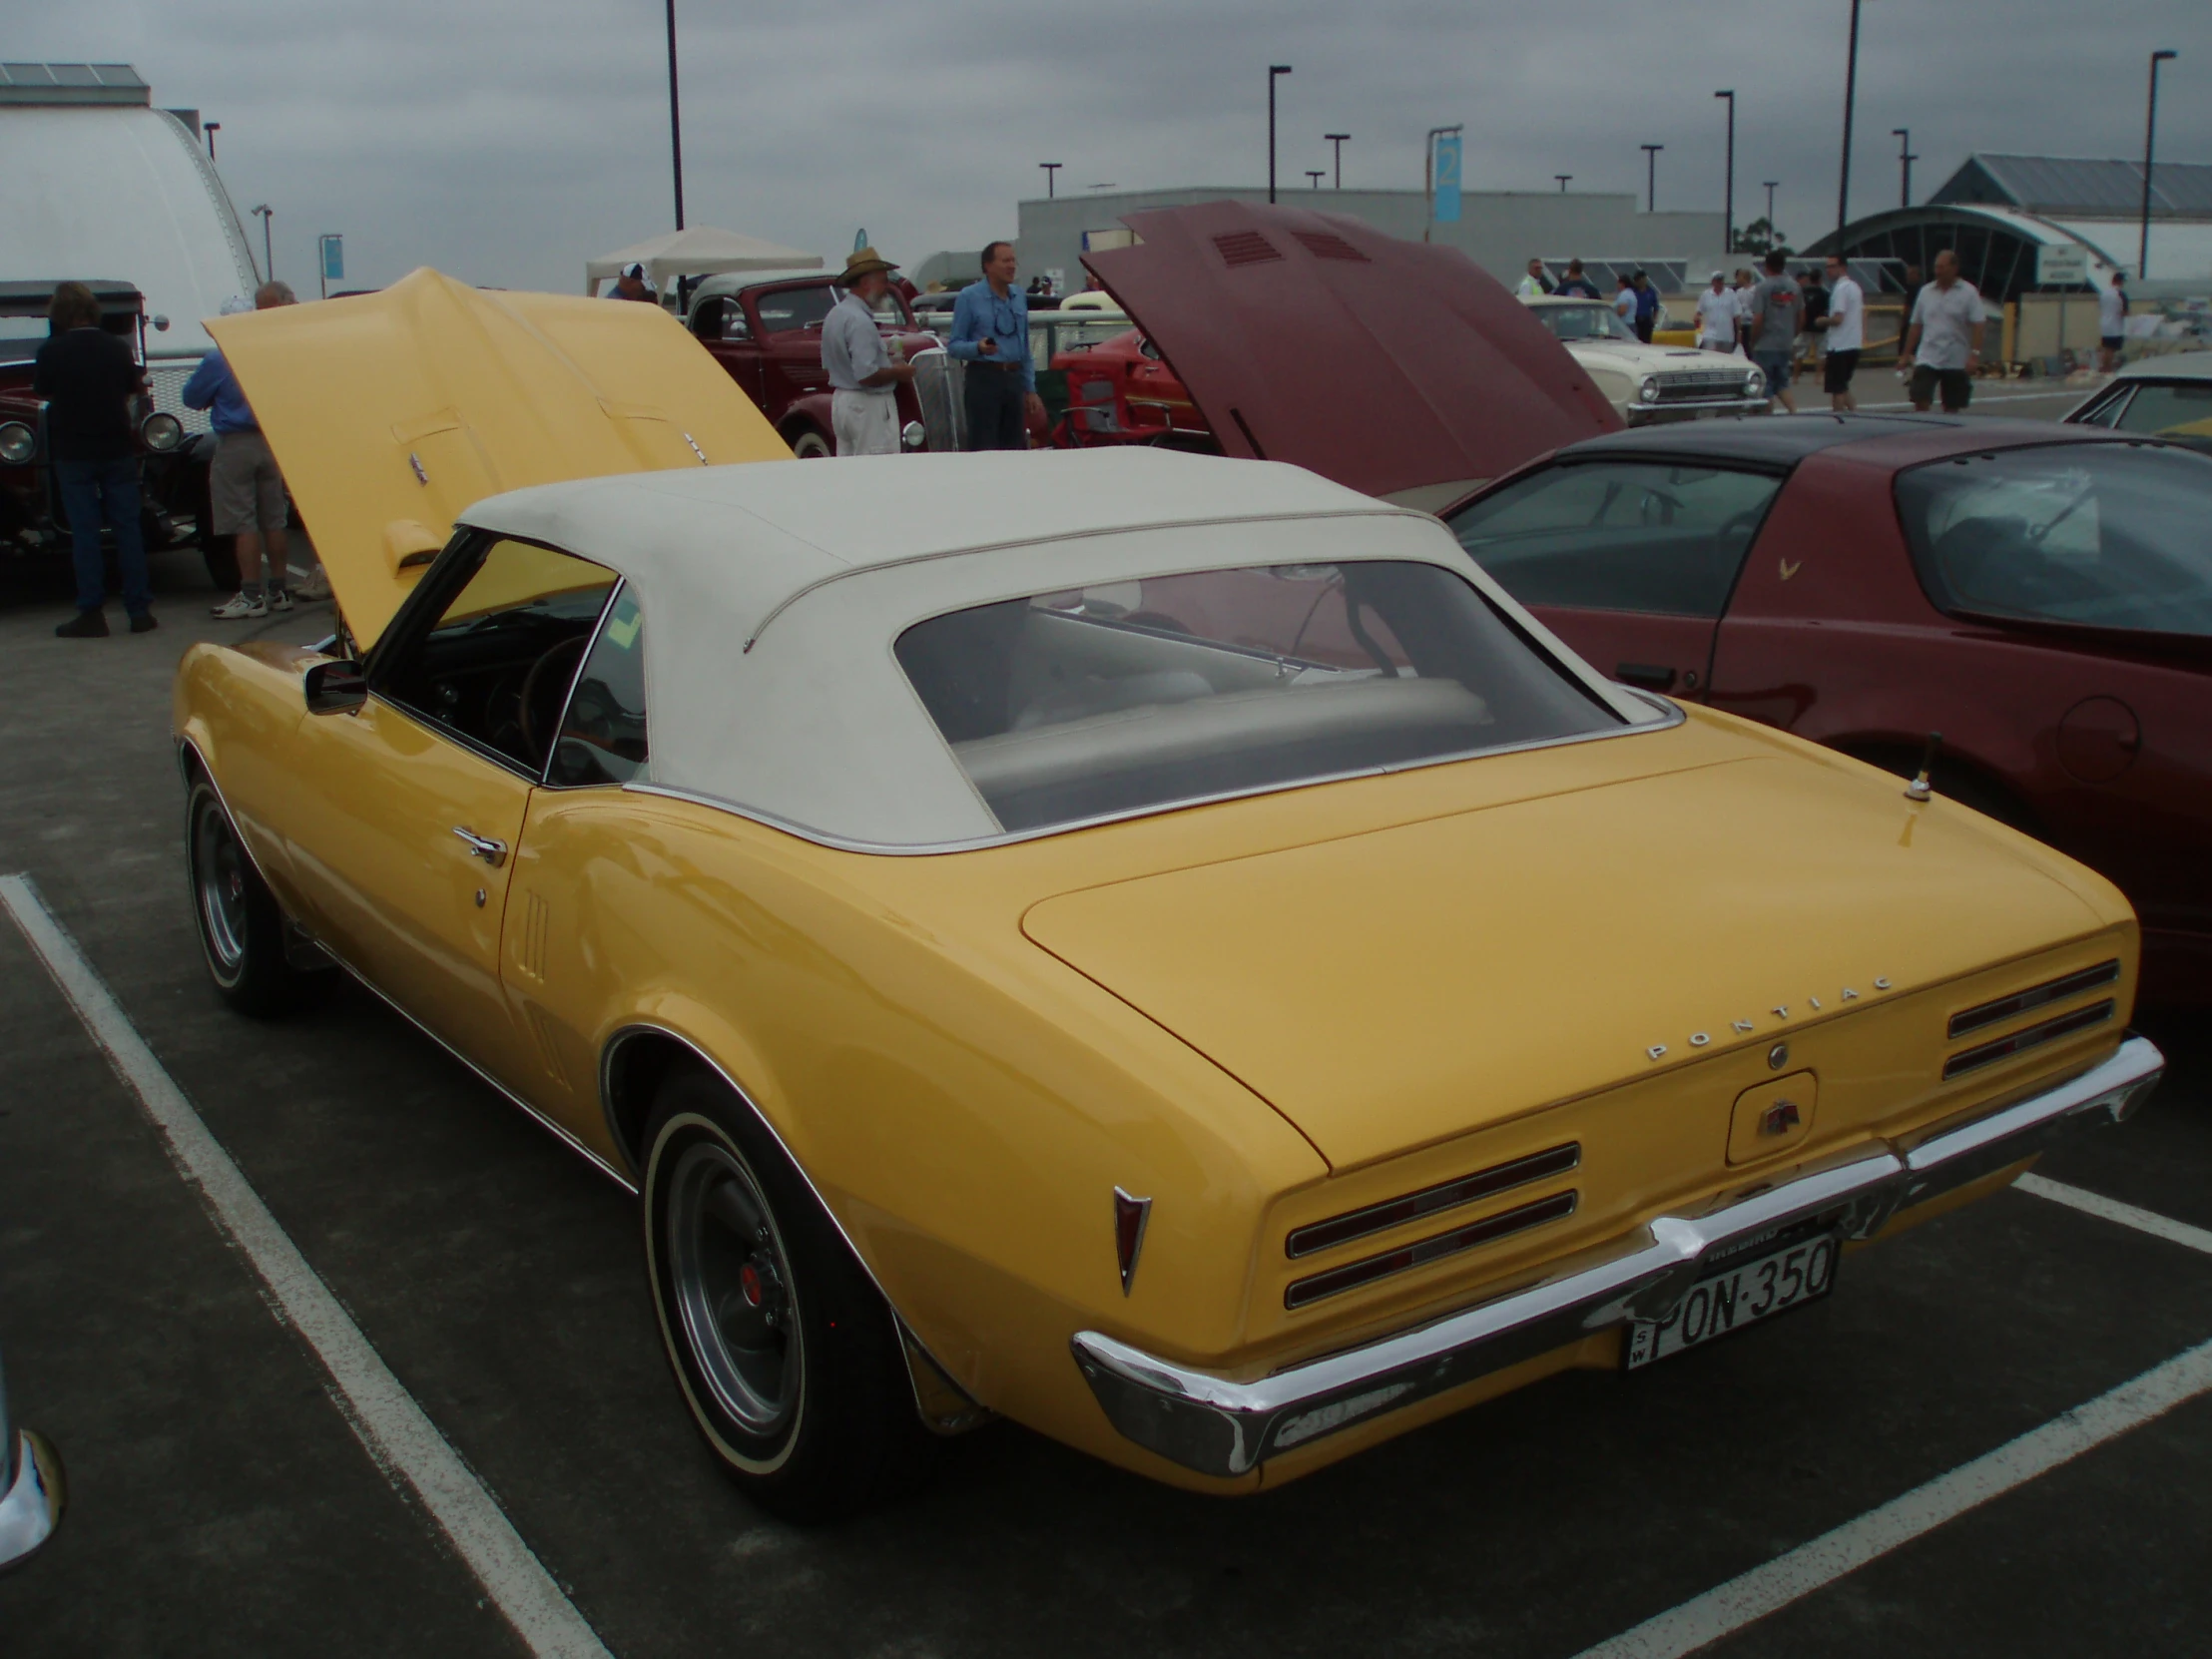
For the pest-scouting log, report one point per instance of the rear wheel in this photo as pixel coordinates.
(785, 1354)
(242, 930)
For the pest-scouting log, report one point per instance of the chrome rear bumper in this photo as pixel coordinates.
(1224, 1427)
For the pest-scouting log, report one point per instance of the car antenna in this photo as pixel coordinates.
(1918, 788)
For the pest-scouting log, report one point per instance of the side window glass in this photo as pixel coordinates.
(783, 309)
(495, 665)
(1620, 536)
(2169, 411)
(602, 736)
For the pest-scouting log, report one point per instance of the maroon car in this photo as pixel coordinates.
(2040, 595)
(766, 331)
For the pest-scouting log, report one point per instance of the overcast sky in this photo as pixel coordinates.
(506, 141)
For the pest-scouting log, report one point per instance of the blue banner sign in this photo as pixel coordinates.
(1447, 208)
(334, 259)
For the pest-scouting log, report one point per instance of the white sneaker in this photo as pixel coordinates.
(241, 605)
(280, 599)
(315, 585)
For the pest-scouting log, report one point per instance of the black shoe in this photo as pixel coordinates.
(144, 622)
(88, 625)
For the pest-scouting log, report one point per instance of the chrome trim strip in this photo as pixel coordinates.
(1668, 715)
(1439, 1199)
(921, 1387)
(1473, 1235)
(2025, 1038)
(1969, 1020)
(1220, 1427)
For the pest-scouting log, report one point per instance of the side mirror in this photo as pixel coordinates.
(335, 688)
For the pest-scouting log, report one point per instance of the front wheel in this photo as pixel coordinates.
(242, 930)
(811, 445)
(787, 1357)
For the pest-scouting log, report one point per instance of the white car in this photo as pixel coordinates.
(2167, 396)
(1648, 383)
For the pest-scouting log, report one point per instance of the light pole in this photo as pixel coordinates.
(1769, 184)
(1051, 173)
(1728, 190)
(675, 119)
(1274, 69)
(2150, 132)
(1850, 100)
(210, 129)
(1317, 173)
(266, 214)
(1906, 158)
(1337, 139)
(1651, 177)
(1562, 177)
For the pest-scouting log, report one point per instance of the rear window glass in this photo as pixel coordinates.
(782, 310)
(1620, 535)
(2104, 535)
(1079, 705)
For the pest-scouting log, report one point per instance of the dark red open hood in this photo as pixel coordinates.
(1386, 366)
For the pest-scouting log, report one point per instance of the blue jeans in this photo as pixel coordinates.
(88, 489)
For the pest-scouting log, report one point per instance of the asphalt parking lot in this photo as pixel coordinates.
(224, 1501)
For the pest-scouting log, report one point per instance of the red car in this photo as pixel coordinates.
(766, 331)
(2039, 595)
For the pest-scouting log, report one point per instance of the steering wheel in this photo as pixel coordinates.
(548, 675)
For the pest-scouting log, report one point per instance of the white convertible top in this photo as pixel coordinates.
(771, 683)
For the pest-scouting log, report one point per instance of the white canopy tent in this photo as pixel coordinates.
(700, 251)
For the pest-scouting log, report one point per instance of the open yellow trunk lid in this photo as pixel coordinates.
(391, 413)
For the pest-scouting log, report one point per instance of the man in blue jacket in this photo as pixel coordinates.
(991, 333)
(244, 489)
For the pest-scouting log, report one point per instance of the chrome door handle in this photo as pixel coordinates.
(492, 853)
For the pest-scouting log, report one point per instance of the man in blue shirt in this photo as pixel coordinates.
(245, 492)
(1647, 306)
(991, 333)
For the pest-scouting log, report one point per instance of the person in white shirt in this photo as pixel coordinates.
(1845, 331)
(1533, 286)
(863, 377)
(1624, 302)
(2111, 321)
(1717, 312)
(1943, 344)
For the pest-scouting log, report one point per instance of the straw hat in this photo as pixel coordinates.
(865, 261)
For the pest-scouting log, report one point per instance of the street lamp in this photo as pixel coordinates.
(1769, 184)
(1562, 177)
(1728, 197)
(1337, 139)
(1651, 177)
(675, 119)
(1850, 100)
(1051, 173)
(210, 129)
(265, 213)
(1906, 158)
(2150, 130)
(1274, 69)
(1317, 173)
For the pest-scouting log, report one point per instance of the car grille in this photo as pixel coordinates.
(1702, 386)
(168, 384)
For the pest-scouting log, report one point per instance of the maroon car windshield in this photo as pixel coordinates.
(2102, 535)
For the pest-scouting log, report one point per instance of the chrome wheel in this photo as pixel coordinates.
(220, 874)
(733, 1287)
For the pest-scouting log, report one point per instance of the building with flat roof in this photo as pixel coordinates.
(1500, 229)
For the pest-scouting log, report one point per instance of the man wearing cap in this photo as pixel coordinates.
(991, 333)
(863, 382)
(631, 285)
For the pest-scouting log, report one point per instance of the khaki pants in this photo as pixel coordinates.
(867, 422)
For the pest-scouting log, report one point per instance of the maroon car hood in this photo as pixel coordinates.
(1386, 366)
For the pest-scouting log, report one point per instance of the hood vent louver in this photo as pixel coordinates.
(1245, 247)
(1324, 245)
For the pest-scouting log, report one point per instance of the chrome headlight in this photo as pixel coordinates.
(1755, 383)
(18, 443)
(1649, 391)
(914, 434)
(162, 432)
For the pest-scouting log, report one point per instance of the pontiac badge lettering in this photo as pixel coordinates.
(1781, 1013)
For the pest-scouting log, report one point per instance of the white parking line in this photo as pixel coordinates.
(2111, 1209)
(397, 1433)
(1763, 1590)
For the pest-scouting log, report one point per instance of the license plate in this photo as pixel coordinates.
(1738, 1294)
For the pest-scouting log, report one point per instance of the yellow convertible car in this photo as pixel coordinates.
(1158, 947)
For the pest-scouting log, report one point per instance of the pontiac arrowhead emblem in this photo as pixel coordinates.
(1130, 1216)
(1780, 1118)
(1789, 570)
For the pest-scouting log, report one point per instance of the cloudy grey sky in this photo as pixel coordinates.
(505, 140)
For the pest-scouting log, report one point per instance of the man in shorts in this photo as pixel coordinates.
(2112, 322)
(1944, 343)
(244, 489)
(1776, 308)
(1845, 329)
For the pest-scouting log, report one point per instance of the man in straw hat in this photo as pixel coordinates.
(991, 333)
(863, 402)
